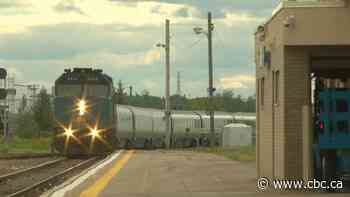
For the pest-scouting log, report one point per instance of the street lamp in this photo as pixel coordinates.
(211, 89)
(160, 45)
(198, 30)
(167, 110)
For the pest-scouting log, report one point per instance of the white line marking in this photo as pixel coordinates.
(64, 188)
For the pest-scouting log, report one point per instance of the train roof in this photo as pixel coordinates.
(84, 75)
(203, 114)
(216, 113)
(193, 115)
(236, 125)
(141, 108)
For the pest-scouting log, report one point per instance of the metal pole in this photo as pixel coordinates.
(211, 88)
(167, 82)
(130, 91)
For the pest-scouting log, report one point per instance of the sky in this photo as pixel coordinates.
(39, 39)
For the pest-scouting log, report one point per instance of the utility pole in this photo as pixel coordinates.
(211, 88)
(130, 91)
(178, 92)
(167, 110)
(167, 79)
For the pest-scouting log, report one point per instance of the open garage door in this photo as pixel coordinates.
(331, 67)
(331, 96)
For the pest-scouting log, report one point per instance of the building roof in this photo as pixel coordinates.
(306, 4)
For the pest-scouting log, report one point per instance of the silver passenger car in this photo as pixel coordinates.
(145, 128)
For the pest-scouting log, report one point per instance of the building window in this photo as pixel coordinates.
(262, 88)
(343, 126)
(342, 105)
(322, 108)
(276, 81)
(262, 56)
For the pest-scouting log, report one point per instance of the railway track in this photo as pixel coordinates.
(28, 156)
(36, 180)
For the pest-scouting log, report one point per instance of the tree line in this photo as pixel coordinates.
(225, 101)
(34, 120)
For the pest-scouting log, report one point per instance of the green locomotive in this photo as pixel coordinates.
(84, 112)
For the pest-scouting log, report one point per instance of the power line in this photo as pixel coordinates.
(195, 43)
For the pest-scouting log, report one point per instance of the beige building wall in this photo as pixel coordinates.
(317, 32)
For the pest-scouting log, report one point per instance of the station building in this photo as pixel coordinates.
(303, 39)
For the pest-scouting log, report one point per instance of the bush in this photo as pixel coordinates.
(25, 145)
(26, 126)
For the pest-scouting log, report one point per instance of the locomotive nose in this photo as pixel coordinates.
(82, 107)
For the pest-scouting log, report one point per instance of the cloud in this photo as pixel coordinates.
(119, 61)
(14, 3)
(237, 82)
(120, 37)
(172, 10)
(68, 6)
(150, 85)
(217, 7)
(237, 19)
(182, 12)
(67, 40)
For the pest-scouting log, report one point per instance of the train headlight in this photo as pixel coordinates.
(82, 107)
(68, 132)
(94, 132)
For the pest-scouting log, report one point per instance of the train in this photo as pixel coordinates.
(88, 120)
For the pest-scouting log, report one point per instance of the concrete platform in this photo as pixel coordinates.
(173, 174)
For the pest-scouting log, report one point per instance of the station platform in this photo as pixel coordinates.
(165, 174)
(162, 173)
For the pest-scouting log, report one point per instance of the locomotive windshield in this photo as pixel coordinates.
(96, 90)
(68, 90)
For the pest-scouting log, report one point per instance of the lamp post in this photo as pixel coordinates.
(211, 89)
(166, 46)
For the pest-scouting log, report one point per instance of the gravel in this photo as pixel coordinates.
(18, 183)
(12, 165)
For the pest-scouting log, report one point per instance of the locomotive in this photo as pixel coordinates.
(88, 120)
(84, 112)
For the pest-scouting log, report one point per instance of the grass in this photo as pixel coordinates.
(246, 153)
(24, 145)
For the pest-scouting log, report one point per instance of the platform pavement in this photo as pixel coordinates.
(174, 174)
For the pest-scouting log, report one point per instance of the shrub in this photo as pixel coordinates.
(26, 126)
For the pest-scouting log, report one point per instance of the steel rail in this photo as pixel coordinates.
(28, 156)
(51, 178)
(27, 170)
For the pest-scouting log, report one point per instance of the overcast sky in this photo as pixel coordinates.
(38, 39)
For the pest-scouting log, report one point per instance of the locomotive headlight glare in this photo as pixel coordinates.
(82, 107)
(94, 132)
(69, 132)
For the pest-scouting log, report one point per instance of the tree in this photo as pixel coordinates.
(223, 101)
(26, 126)
(145, 93)
(121, 95)
(23, 104)
(42, 110)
